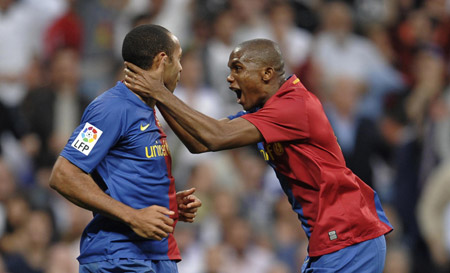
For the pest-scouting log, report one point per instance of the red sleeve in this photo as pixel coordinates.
(281, 120)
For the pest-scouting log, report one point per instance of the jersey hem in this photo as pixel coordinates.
(88, 260)
(346, 244)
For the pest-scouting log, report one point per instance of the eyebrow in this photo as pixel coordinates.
(234, 62)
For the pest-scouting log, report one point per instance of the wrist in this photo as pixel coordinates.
(163, 95)
(128, 215)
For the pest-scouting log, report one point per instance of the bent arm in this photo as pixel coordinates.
(214, 134)
(79, 188)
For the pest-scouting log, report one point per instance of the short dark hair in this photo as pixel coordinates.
(144, 42)
(264, 52)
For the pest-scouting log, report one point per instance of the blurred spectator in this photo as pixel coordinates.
(431, 212)
(376, 65)
(217, 52)
(423, 106)
(242, 252)
(295, 43)
(225, 209)
(62, 253)
(65, 31)
(340, 52)
(21, 29)
(251, 19)
(7, 188)
(398, 260)
(337, 50)
(13, 122)
(358, 136)
(31, 255)
(175, 15)
(54, 110)
(18, 210)
(192, 251)
(286, 238)
(97, 59)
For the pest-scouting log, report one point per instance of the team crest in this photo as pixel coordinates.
(278, 148)
(87, 138)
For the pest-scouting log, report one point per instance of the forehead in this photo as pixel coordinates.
(237, 56)
(177, 47)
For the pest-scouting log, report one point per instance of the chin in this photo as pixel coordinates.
(170, 87)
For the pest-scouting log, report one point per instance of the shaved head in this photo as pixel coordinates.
(263, 53)
(256, 72)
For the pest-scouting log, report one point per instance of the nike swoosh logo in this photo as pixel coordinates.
(143, 128)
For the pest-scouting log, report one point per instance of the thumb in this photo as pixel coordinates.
(182, 194)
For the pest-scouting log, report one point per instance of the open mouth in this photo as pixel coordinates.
(238, 93)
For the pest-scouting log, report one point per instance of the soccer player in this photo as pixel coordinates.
(340, 214)
(117, 164)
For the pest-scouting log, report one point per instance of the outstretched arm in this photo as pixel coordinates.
(214, 134)
(79, 188)
(192, 144)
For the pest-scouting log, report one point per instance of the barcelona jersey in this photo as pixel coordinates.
(335, 207)
(121, 145)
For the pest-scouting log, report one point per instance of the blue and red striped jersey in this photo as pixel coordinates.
(335, 207)
(121, 144)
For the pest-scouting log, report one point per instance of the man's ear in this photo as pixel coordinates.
(267, 74)
(158, 59)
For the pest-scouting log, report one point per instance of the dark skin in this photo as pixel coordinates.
(152, 222)
(253, 82)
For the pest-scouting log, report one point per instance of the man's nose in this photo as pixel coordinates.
(230, 78)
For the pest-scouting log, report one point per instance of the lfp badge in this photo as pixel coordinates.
(87, 138)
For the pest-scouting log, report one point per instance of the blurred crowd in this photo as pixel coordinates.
(380, 67)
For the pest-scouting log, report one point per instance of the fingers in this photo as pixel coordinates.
(130, 80)
(154, 223)
(162, 227)
(130, 76)
(189, 214)
(192, 201)
(165, 227)
(163, 210)
(182, 194)
(134, 68)
(187, 217)
(159, 234)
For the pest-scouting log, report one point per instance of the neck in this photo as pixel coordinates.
(149, 101)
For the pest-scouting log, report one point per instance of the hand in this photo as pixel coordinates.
(188, 205)
(153, 222)
(146, 83)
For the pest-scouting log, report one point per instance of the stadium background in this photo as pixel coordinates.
(380, 67)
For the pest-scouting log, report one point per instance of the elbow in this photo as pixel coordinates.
(217, 142)
(215, 146)
(196, 148)
(55, 180)
(198, 151)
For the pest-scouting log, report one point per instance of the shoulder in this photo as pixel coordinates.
(108, 103)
